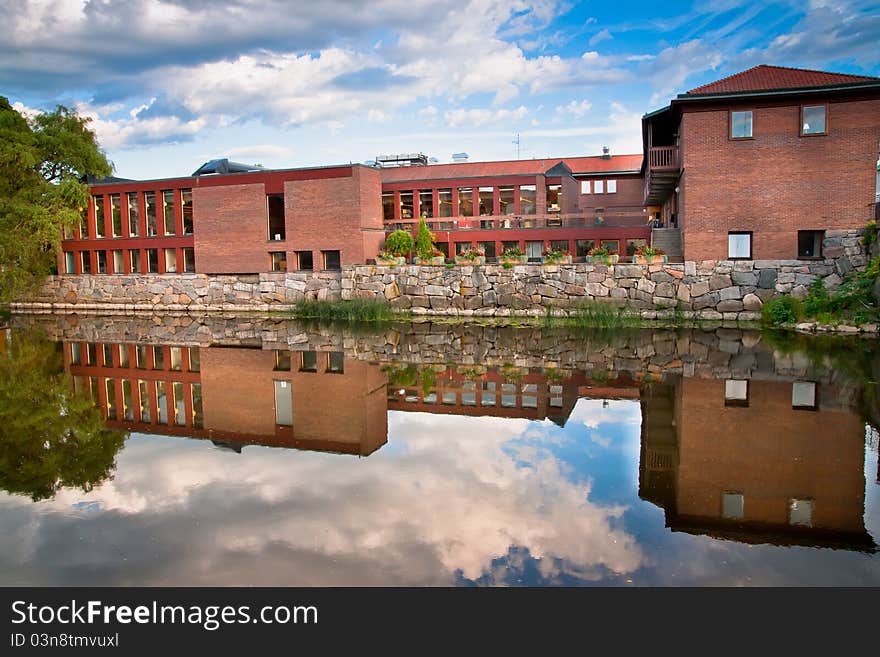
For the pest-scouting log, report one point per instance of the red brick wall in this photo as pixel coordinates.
(626, 202)
(342, 214)
(778, 182)
(231, 230)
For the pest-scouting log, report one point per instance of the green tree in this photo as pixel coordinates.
(43, 163)
(50, 437)
(424, 241)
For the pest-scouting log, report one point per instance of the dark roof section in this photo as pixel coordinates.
(777, 78)
(224, 166)
(106, 180)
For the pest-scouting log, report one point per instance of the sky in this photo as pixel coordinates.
(170, 84)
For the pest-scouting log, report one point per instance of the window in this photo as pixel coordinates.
(158, 358)
(585, 187)
(171, 261)
(127, 408)
(388, 206)
(426, 203)
(613, 246)
(810, 243)
(443, 247)
(736, 393)
(196, 393)
(554, 198)
(186, 197)
(102, 261)
(487, 201)
(506, 200)
(489, 249)
(583, 247)
(461, 247)
(800, 512)
(469, 393)
(331, 260)
(195, 360)
(75, 353)
(534, 250)
(275, 204)
(741, 125)
(739, 246)
(176, 358)
(123, 355)
(161, 402)
(336, 362)
(487, 398)
(110, 386)
(465, 201)
(599, 187)
(108, 355)
(118, 262)
(612, 186)
(732, 505)
(99, 216)
(134, 257)
(133, 221)
(406, 205)
(634, 245)
(189, 260)
(813, 120)
(115, 216)
(283, 404)
(179, 406)
(308, 361)
(85, 262)
(506, 246)
(150, 209)
(304, 260)
(279, 260)
(69, 266)
(803, 395)
(168, 210)
(140, 354)
(282, 360)
(153, 261)
(444, 197)
(84, 225)
(528, 199)
(559, 245)
(144, 396)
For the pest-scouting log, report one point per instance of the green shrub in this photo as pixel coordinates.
(424, 241)
(399, 243)
(782, 310)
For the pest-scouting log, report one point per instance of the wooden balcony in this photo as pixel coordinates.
(664, 165)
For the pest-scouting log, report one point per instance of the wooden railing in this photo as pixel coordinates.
(663, 157)
(552, 220)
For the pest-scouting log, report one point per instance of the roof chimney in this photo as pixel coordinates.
(606, 153)
(460, 157)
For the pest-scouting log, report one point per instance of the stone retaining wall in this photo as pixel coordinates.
(709, 290)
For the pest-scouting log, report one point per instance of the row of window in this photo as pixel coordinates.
(151, 220)
(809, 244)
(813, 121)
(599, 186)
(803, 394)
(134, 400)
(144, 357)
(471, 201)
(800, 512)
(131, 261)
(308, 362)
(304, 261)
(511, 395)
(534, 249)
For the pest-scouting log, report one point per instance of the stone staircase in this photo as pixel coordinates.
(668, 239)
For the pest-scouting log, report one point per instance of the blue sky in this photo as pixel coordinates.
(172, 83)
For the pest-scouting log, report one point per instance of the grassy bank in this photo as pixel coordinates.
(349, 310)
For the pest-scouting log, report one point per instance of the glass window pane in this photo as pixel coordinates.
(150, 207)
(814, 120)
(388, 206)
(740, 124)
(528, 199)
(99, 216)
(187, 200)
(444, 196)
(800, 512)
(803, 394)
(739, 245)
(426, 203)
(283, 404)
(168, 210)
(133, 227)
(732, 505)
(465, 201)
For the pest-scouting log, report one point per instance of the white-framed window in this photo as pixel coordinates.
(599, 187)
(736, 392)
(732, 505)
(800, 512)
(741, 125)
(69, 266)
(585, 186)
(612, 186)
(739, 245)
(813, 120)
(803, 395)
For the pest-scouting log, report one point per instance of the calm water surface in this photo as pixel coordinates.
(168, 451)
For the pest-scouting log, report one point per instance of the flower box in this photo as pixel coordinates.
(390, 262)
(513, 260)
(437, 261)
(649, 260)
(562, 260)
(610, 259)
(461, 260)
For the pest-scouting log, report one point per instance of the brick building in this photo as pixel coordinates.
(758, 165)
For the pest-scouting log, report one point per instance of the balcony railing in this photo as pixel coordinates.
(552, 220)
(663, 157)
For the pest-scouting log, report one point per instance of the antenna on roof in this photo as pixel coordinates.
(516, 141)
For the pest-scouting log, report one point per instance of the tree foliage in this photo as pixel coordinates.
(399, 243)
(50, 437)
(424, 241)
(43, 161)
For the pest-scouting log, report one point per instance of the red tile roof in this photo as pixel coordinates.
(765, 77)
(594, 164)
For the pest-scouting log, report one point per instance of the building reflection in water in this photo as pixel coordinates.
(755, 461)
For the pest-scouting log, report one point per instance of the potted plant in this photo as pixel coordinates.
(426, 252)
(398, 245)
(648, 255)
(471, 256)
(514, 256)
(601, 255)
(552, 257)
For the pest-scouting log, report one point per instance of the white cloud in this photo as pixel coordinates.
(600, 36)
(477, 117)
(575, 108)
